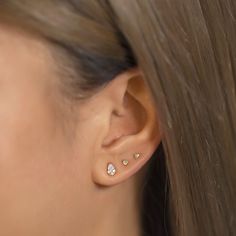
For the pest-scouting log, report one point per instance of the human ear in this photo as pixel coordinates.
(131, 130)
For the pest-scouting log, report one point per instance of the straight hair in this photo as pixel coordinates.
(186, 51)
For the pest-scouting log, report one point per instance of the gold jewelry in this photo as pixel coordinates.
(125, 162)
(136, 156)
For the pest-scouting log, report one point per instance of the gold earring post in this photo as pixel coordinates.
(125, 162)
(136, 156)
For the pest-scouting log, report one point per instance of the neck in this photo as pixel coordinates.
(120, 211)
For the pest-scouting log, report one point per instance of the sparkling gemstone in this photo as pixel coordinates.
(111, 170)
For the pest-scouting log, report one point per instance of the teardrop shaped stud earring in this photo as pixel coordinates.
(111, 169)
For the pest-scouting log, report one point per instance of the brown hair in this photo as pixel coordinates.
(186, 50)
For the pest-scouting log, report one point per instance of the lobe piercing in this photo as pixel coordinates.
(125, 162)
(136, 156)
(111, 170)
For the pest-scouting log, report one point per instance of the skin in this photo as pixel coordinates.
(52, 166)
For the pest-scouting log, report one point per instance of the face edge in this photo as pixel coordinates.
(38, 161)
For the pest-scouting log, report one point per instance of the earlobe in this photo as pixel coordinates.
(133, 132)
(111, 169)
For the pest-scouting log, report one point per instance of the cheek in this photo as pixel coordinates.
(38, 168)
(27, 126)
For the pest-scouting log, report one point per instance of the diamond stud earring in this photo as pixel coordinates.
(125, 162)
(111, 170)
(136, 156)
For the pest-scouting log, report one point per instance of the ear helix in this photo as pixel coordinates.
(111, 169)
